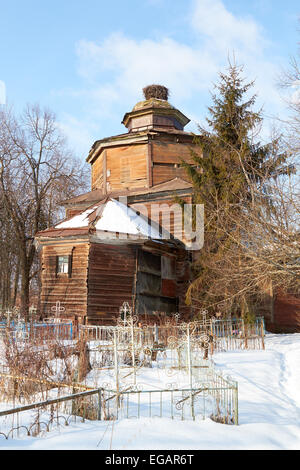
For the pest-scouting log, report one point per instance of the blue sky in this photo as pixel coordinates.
(88, 60)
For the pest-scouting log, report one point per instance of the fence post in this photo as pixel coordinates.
(236, 405)
(156, 333)
(190, 370)
(133, 351)
(116, 366)
(99, 404)
(262, 333)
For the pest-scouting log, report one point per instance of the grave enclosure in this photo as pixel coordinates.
(127, 359)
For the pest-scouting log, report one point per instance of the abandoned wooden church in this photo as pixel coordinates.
(111, 247)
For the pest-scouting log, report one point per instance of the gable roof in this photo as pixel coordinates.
(108, 220)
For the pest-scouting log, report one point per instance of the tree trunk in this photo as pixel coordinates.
(16, 284)
(25, 284)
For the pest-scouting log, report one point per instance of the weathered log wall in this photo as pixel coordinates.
(286, 313)
(165, 212)
(141, 165)
(111, 279)
(68, 288)
(166, 159)
(120, 168)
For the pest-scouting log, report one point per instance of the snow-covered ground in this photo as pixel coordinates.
(269, 412)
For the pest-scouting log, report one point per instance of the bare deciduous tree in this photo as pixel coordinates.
(36, 170)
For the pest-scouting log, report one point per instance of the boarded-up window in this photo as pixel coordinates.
(147, 304)
(153, 294)
(168, 267)
(148, 284)
(168, 276)
(149, 263)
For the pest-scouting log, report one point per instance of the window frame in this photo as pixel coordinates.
(66, 264)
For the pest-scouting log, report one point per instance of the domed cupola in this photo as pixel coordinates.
(154, 112)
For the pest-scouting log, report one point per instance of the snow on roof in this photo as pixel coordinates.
(79, 220)
(117, 217)
(114, 217)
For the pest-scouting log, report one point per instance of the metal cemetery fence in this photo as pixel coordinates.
(216, 399)
(223, 335)
(236, 334)
(37, 418)
(124, 355)
(37, 331)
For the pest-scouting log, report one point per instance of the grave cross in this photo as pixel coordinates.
(204, 316)
(57, 309)
(125, 312)
(8, 316)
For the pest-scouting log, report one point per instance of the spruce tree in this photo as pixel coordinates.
(230, 166)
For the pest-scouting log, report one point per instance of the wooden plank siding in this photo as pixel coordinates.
(124, 167)
(141, 164)
(70, 290)
(104, 276)
(286, 313)
(166, 172)
(97, 171)
(166, 212)
(170, 152)
(183, 277)
(166, 159)
(113, 278)
(111, 281)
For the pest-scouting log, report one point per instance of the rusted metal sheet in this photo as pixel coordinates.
(169, 288)
(62, 232)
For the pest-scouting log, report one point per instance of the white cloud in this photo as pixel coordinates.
(224, 30)
(115, 70)
(133, 64)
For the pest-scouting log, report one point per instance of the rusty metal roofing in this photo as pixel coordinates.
(98, 195)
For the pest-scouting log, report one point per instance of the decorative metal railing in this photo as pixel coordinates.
(179, 351)
(19, 331)
(216, 399)
(220, 335)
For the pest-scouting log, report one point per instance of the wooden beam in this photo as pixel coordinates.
(149, 165)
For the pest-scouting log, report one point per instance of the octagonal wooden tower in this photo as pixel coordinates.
(142, 164)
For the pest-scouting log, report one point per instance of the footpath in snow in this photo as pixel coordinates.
(269, 412)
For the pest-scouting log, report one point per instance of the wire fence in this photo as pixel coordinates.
(230, 335)
(123, 350)
(223, 335)
(40, 417)
(217, 399)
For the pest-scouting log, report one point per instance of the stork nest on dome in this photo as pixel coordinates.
(159, 92)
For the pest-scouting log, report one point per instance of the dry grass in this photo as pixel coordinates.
(32, 367)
